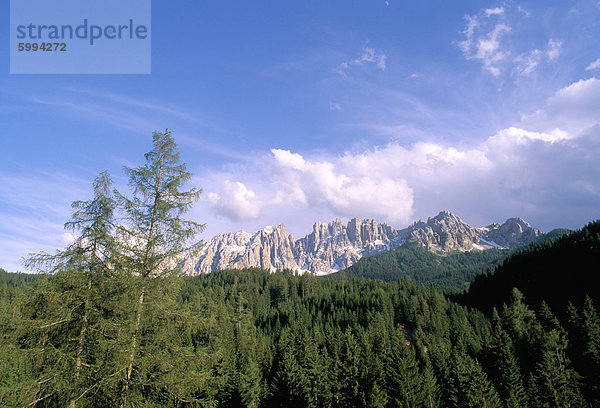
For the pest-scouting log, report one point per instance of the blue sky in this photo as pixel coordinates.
(297, 111)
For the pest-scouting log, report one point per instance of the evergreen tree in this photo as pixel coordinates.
(71, 304)
(510, 380)
(404, 377)
(430, 389)
(154, 239)
(557, 381)
(589, 325)
(471, 386)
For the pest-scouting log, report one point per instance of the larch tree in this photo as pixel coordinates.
(156, 235)
(71, 299)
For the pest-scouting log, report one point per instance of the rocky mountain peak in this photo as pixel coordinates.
(445, 232)
(333, 246)
(514, 232)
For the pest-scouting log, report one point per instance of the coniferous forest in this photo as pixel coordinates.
(110, 323)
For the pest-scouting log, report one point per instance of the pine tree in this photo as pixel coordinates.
(511, 385)
(557, 381)
(430, 389)
(471, 387)
(590, 322)
(404, 376)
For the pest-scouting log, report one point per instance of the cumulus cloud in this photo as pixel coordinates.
(573, 109)
(235, 201)
(368, 55)
(67, 239)
(341, 188)
(543, 168)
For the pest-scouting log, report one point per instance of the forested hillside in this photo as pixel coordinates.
(557, 271)
(250, 338)
(447, 271)
(110, 323)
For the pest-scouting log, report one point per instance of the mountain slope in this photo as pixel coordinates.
(443, 271)
(335, 246)
(558, 270)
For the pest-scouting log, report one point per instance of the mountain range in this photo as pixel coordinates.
(334, 246)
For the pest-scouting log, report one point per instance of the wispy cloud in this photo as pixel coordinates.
(528, 62)
(484, 35)
(482, 40)
(334, 106)
(136, 116)
(593, 65)
(494, 11)
(553, 50)
(34, 209)
(368, 56)
(167, 109)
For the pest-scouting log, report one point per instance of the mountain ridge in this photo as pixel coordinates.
(333, 246)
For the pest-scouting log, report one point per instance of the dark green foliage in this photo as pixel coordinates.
(449, 271)
(16, 280)
(557, 271)
(229, 339)
(113, 326)
(470, 386)
(506, 366)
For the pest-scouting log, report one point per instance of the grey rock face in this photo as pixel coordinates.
(514, 232)
(335, 246)
(445, 232)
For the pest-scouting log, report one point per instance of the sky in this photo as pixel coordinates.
(300, 111)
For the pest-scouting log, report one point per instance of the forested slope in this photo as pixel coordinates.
(251, 338)
(449, 271)
(557, 271)
(111, 325)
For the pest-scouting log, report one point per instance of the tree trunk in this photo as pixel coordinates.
(134, 337)
(82, 332)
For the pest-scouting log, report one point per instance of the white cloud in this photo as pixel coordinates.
(234, 201)
(553, 50)
(368, 56)
(482, 40)
(573, 109)
(593, 65)
(34, 209)
(494, 11)
(381, 61)
(528, 62)
(342, 189)
(67, 239)
(335, 106)
(543, 169)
